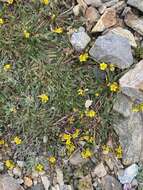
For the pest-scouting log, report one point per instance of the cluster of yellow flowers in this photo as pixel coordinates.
(87, 153)
(104, 66)
(118, 151)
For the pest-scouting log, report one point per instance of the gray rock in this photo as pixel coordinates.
(1, 166)
(134, 22)
(123, 105)
(130, 131)
(132, 82)
(77, 159)
(9, 183)
(126, 34)
(94, 3)
(38, 187)
(110, 183)
(80, 39)
(112, 48)
(136, 3)
(111, 3)
(99, 171)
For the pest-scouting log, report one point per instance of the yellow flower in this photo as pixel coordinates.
(112, 67)
(44, 98)
(83, 57)
(86, 153)
(136, 109)
(1, 21)
(7, 67)
(66, 137)
(52, 159)
(70, 148)
(26, 34)
(141, 107)
(2, 142)
(17, 140)
(39, 168)
(87, 138)
(114, 87)
(106, 149)
(10, 1)
(58, 30)
(75, 134)
(9, 164)
(97, 94)
(103, 66)
(119, 152)
(45, 2)
(71, 120)
(90, 113)
(13, 109)
(81, 92)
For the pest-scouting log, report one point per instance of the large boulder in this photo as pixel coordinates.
(9, 183)
(112, 48)
(129, 124)
(136, 3)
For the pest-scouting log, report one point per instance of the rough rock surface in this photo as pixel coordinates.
(112, 48)
(9, 183)
(110, 183)
(136, 3)
(129, 125)
(94, 3)
(126, 34)
(91, 15)
(134, 22)
(80, 39)
(107, 20)
(132, 82)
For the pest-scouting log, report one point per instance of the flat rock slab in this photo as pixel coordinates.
(136, 3)
(134, 22)
(114, 49)
(132, 82)
(9, 183)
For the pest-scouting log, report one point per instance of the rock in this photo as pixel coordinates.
(91, 15)
(28, 181)
(125, 33)
(99, 171)
(107, 20)
(136, 23)
(129, 174)
(102, 9)
(110, 183)
(20, 163)
(45, 182)
(1, 166)
(85, 183)
(77, 159)
(114, 49)
(111, 3)
(80, 39)
(60, 177)
(132, 82)
(129, 129)
(38, 187)
(123, 105)
(136, 3)
(94, 3)
(76, 10)
(17, 171)
(9, 183)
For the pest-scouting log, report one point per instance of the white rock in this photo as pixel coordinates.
(99, 171)
(60, 177)
(88, 103)
(45, 182)
(129, 174)
(80, 39)
(76, 10)
(20, 163)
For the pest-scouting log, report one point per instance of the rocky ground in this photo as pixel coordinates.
(114, 30)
